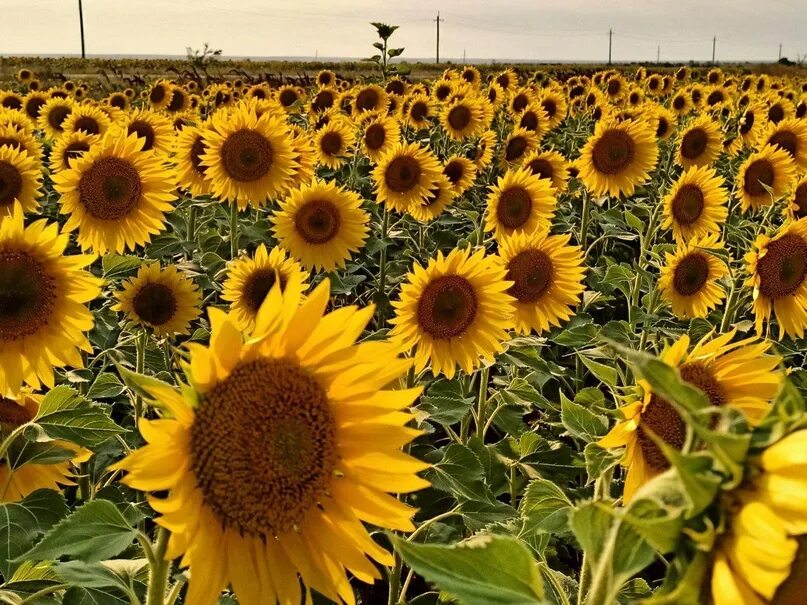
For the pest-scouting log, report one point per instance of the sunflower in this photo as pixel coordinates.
(119, 100)
(369, 98)
(326, 78)
(764, 177)
(789, 134)
(251, 278)
(162, 300)
(507, 79)
(549, 165)
(481, 153)
(418, 111)
(160, 94)
(115, 194)
(520, 202)
(289, 97)
(379, 136)
(520, 99)
(280, 447)
(87, 118)
(696, 205)
(455, 312)
(739, 374)
(752, 122)
(688, 279)
(495, 94)
(10, 100)
(618, 157)
(681, 103)
(321, 224)
(333, 142)
(23, 140)
(189, 148)
(778, 268)
(69, 147)
(440, 196)
(179, 101)
(767, 517)
(20, 180)
(53, 115)
(471, 75)
(519, 144)
(322, 101)
(547, 275)
(534, 119)
(555, 106)
(797, 208)
(249, 159)
(43, 296)
(665, 121)
(461, 173)
(462, 118)
(33, 103)
(156, 130)
(405, 176)
(700, 143)
(780, 109)
(616, 88)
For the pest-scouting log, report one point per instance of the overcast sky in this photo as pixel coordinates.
(489, 29)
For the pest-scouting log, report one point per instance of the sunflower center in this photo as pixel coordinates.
(613, 152)
(145, 131)
(679, 103)
(714, 98)
(317, 221)
(663, 127)
(786, 140)
(88, 124)
(155, 304)
(198, 149)
(258, 285)
(800, 198)
(246, 155)
(118, 101)
(447, 307)
(700, 376)
(531, 272)
(396, 87)
(529, 120)
(776, 114)
(515, 207)
(10, 183)
(541, 168)
(459, 117)
(331, 143)
(454, 172)
(661, 418)
(793, 589)
(550, 107)
(177, 100)
(287, 97)
(687, 205)
(748, 122)
(110, 188)
(263, 447)
(157, 94)
(402, 174)
(515, 148)
(690, 274)
(520, 101)
(13, 415)
(11, 142)
(442, 92)
(323, 100)
(783, 268)
(418, 111)
(27, 295)
(374, 136)
(759, 175)
(367, 99)
(12, 102)
(614, 86)
(57, 116)
(74, 150)
(694, 143)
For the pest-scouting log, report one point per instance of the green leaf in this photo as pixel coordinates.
(445, 402)
(21, 523)
(598, 460)
(106, 386)
(581, 422)
(95, 596)
(117, 265)
(460, 473)
(604, 373)
(394, 52)
(64, 414)
(544, 509)
(95, 531)
(89, 575)
(666, 381)
(634, 222)
(485, 570)
(24, 451)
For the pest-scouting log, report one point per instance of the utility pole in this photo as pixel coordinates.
(463, 56)
(780, 51)
(714, 45)
(658, 53)
(610, 40)
(438, 35)
(81, 24)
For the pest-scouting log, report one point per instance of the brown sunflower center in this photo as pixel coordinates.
(454, 171)
(694, 143)
(793, 589)
(145, 131)
(27, 295)
(88, 124)
(317, 221)
(663, 127)
(74, 150)
(699, 375)
(661, 418)
(258, 286)
(459, 117)
(157, 94)
(177, 100)
(787, 140)
(532, 273)
(57, 116)
(776, 113)
(331, 143)
(447, 307)
(374, 136)
(520, 101)
(614, 86)
(747, 123)
(10, 183)
(263, 447)
(418, 111)
(691, 273)
(541, 168)
(155, 304)
(613, 152)
(324, 100)
(367, 99)
(714, 97)
(198, 149)
(118, 101)
(247, 156)
(529, 120)
(514, 208)
(12, 102)
(679, 103)
(442, 92)
(550, 107)
(402, 174)
(783, 267)
(13, 415)
(800, 198)
(396, 87)
(687, 205)
(110, 189)
(287, 97)
(758, 175)
(515, 148)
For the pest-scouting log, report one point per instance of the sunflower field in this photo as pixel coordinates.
(518, 337)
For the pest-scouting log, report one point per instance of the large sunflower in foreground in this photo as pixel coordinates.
(689, 278)
(162, 300)
(740, 374)
(116, 195)
(520, 202)
(547, 275)
(696, 205)
(43, 297)
(405, 176)
(20, 180)
(764, 177)
(618, 157)
(778, 269)
(248, 159)
(321, 224)
(455, 312)
(250, 279)
(797, 208)
(277, 451)
(760, 559)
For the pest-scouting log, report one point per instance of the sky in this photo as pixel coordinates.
(571, 30)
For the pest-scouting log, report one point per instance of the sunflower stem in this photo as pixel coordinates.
(233, 230)
(140, 366)
(158, 577)
(394, 580)
(586, 211)
(382, 270)
(482, 402)
(192, 221)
